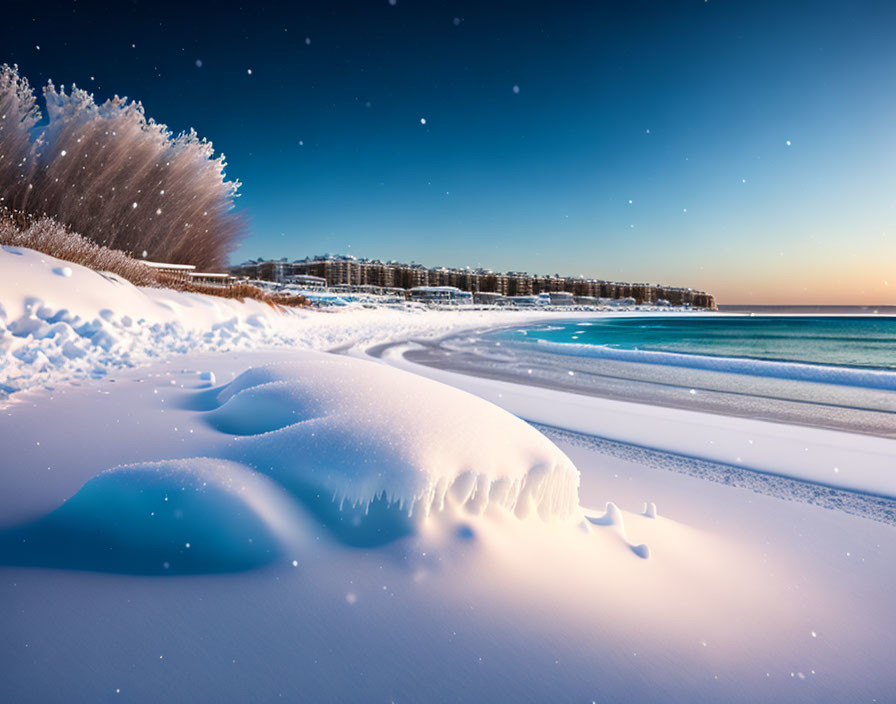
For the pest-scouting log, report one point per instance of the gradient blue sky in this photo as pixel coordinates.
(682, 108)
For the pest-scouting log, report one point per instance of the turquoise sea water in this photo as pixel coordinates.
(842, 341)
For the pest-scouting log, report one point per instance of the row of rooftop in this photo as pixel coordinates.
(375, 276)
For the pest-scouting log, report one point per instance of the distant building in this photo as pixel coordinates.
(351, 274)
(485, 298)
(305, 281)
(446, 295)
(210, 279)
(187, 273)
(525, 301)
(561, 298)
(179, 272)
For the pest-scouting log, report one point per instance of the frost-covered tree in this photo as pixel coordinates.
(124, 181)
(18, 116)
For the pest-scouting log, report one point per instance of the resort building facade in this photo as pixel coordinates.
(389, 277)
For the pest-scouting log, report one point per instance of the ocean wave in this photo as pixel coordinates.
(796, 371)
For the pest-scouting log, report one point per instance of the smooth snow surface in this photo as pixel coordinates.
(196, 515)
(369, 451)
(472, 606)
(360, 432)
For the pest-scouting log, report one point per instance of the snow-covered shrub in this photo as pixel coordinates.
(18, 116)
(239, 291)
(50, 237)
(118, 178)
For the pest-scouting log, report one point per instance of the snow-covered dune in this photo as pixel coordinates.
(181, 516)
(61, 321)
(369, 451)
(360, 432)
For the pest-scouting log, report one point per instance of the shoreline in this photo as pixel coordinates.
(831, 458)
(867, 505)
(811, 404)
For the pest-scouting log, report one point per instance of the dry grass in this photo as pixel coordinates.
(238, 291)
(50, 237)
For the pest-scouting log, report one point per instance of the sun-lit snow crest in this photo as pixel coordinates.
(358, 432)
(368, 451)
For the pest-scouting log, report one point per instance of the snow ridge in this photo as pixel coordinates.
(360, 432)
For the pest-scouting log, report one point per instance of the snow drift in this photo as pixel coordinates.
(186, 516)
(59, 320)
(366, 451)
(359, 433)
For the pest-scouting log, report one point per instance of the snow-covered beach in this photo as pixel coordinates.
(198, 501)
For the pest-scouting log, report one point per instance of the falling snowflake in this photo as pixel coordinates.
(422, 120)
(516, 89)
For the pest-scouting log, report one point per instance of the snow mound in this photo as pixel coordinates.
(59, 320)
(356, 433)
(184, 516)
(613, 519)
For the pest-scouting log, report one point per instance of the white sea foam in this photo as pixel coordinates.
(867, 378)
